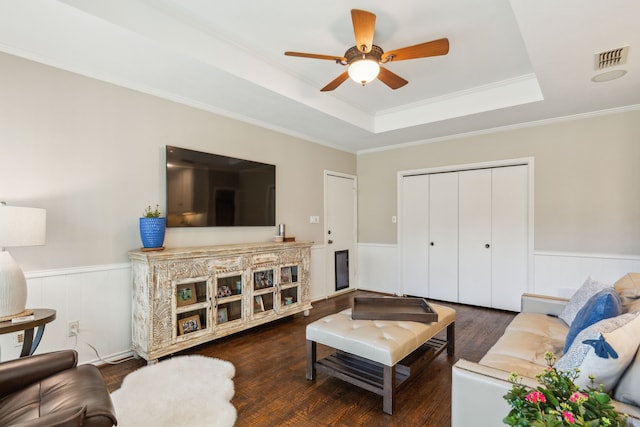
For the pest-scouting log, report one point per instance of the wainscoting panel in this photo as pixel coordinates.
(555, 273)
(98, 297)
(378, 268)
(317, 281)
(561, 274)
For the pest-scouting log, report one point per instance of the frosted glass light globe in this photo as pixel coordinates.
(364, 71)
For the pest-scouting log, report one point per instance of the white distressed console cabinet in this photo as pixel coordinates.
(183, 297)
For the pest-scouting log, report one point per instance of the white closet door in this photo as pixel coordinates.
(413, 230)
(474, 284)
(510, 244)
(443, 236)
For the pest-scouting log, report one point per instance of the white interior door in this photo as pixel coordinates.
(340, 229)
(510, 247)
(474, 257)
(413, 232)
(443, 236)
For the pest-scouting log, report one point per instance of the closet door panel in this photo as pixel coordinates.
(413, 227)
(510, 220)
(443, 236)
(474, 285)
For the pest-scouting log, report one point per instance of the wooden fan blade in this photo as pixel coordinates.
(422, 50)
(364, 24)
(336, 82)
(316, 56)
(392, 80)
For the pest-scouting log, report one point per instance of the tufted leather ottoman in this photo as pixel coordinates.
(378, 355)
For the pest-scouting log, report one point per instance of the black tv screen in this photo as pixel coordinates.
(210, 190)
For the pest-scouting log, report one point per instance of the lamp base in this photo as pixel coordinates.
(13, 287)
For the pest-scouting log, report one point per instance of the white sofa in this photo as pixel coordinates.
(478, 388)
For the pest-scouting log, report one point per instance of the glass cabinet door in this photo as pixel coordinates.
(263, 292)
(289, 294)
(192, 305)
(229, 297)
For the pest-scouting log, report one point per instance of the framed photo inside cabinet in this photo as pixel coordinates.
(263, 279)
(188, 325)
(186, 294)
(222, 315)
(258, 304)
(285, 275)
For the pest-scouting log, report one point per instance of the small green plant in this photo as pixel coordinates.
(152, 213)
(558, 401)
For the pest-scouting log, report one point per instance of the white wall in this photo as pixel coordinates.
(585, 195)
(585, 180)
(92, 154)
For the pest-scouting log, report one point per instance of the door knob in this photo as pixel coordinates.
(487, 246)
(432, 244)
(329, 241)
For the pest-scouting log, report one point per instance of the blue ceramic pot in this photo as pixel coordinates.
(152, 232)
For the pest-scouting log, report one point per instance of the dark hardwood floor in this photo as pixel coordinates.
(271, 388)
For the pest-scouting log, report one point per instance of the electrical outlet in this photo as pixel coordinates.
(19, 339)
(314, 219)
(73, 328)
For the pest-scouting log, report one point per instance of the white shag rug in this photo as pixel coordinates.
(184, 391)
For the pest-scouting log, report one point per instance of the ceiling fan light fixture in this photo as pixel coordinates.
(364, 70)
(363, 60)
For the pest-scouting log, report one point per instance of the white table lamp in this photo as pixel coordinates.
(18, 227)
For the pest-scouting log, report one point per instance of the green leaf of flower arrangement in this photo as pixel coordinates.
(602, 398)
(551, 399)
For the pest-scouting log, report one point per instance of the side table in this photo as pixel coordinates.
(41, 316)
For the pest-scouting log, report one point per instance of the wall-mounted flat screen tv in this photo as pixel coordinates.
(210, 190)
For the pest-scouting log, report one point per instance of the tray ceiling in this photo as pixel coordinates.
(510, 62)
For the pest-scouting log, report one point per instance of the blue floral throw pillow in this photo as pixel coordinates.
(602, 305)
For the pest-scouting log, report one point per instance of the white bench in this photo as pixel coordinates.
(378, 355)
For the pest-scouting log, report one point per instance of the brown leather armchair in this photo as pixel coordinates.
(51, 390)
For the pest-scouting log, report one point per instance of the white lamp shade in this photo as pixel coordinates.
(364, 70)
(22, 226)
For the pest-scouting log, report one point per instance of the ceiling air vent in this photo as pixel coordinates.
(611, 58)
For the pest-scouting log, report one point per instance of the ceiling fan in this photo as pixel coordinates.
(364, 59)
